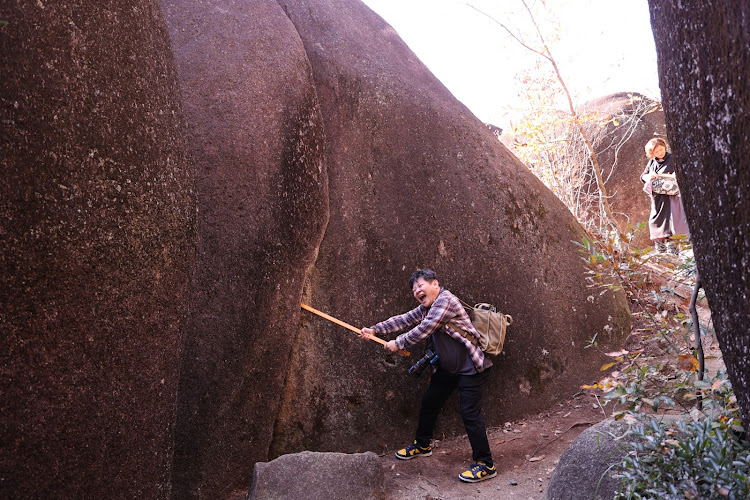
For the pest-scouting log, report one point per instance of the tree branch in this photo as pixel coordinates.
(510, 32)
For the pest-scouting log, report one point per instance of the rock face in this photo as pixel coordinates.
(703, 74)
(416, 180)
(621, 155)
(256, 136)
(313, 476)
(96, 248)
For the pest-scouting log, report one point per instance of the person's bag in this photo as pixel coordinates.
(491, 325)
(664, 185)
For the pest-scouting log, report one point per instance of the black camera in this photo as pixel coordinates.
(429, 358)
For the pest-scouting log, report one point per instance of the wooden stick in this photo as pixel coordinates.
(348, 326)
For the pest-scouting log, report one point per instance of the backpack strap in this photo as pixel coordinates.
(471, 338)
(466, 306)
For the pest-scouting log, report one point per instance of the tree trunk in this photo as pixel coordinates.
(704, 74)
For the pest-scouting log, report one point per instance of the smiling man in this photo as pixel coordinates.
(460, 365)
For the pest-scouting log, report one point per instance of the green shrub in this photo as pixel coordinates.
(695, 460)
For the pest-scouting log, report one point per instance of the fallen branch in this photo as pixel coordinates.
(507, 440)
(561, 435)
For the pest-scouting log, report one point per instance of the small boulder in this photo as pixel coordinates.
(585, 469)
(314, 475)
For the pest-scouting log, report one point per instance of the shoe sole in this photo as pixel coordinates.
(472, 480)
(400, 457)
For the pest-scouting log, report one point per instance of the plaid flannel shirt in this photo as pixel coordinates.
(423, 322)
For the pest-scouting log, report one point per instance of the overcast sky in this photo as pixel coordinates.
(604, 47)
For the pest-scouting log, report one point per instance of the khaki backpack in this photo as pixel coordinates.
(491, 325)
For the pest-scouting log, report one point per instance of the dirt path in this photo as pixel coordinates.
(525, 454)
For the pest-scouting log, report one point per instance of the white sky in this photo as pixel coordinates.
(604, 46)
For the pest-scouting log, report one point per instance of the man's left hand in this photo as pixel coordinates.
(367, 333)
(391, 346)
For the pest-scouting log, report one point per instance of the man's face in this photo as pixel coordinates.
(426, 291)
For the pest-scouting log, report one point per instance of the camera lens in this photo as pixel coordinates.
(429, 358)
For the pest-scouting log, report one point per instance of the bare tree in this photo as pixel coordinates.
(550, 145)
(576, 120)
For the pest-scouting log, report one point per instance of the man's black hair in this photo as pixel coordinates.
(428, 275)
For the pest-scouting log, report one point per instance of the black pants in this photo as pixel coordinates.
(469, 387)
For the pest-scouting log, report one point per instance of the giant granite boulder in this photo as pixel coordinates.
(256, 136)
(96, 248)
(416, 180)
